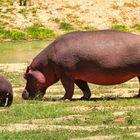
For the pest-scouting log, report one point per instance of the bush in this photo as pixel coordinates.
(121, 28)
(90, 28)
(66, 26)
(137, 27)
(15, 35)
(37, 32)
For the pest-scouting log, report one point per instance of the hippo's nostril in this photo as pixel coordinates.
(25, 94)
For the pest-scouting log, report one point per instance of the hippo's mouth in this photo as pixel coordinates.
(6, 101)
(27, 96)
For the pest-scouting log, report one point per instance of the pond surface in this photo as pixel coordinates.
(20, 52)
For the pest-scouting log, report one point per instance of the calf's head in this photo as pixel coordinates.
(6, 99)
(35, 84)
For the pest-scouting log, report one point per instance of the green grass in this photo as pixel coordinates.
(21, 51)
(12, 34)
(66, 26)
(86, 114)
(33, 32)
(1, 2)
(64, 134)
(90, 28)
(44, 135)
(121, 28)
(137, 27)
(38, 32)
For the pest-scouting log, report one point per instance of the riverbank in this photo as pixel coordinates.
(40, 33)
(45, 19)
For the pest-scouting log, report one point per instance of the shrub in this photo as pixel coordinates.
(121, 28)
(38, 32)
(66, 26)
(137, 27)
(11, 34)
(90, 28)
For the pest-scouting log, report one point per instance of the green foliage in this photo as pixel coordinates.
(34, 32)
(11, 34)
(66, 26)
(10, 2)
(1, 2)
(38, 32)
(24, 12)
(7, 2)
(90, 28)
(137, 27)
(77, 118)
(121, 28)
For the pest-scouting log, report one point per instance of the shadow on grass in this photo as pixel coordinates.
(92, 99)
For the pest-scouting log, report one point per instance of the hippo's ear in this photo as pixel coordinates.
(27, 70)
(38, 76)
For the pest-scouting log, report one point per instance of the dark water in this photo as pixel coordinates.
(20, 52)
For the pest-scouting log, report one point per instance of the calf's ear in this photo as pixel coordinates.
(39, 76)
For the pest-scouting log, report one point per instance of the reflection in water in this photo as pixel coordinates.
(20, 52)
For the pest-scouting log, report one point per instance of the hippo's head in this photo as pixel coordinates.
(35, 85)
(6, 99)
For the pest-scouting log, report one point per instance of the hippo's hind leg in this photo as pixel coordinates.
(85, 89)
(68, 85)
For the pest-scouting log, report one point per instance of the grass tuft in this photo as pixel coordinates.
(34, 32)
(137, 27)
(12, 34)
(39, 32)
(66, 26)
(121, 28)
(90, 28)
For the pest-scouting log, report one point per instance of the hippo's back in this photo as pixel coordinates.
(106, 48)
(5, 85)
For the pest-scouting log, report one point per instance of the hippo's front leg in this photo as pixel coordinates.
(68, 85)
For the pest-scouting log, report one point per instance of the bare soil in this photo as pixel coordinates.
(101, 14)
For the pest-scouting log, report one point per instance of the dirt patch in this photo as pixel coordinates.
(13, 67)
(82, 13)
(95, 108)
(120, 120)
(96, 138)
(27, 127)
(137, 134)
(2, 110)
(55, 120)
(120, 113)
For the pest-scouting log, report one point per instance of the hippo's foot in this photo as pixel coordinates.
(137, 96)
(65, 99)
(85, 98)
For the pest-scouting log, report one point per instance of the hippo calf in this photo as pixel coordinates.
(104, 57)
(6, 92)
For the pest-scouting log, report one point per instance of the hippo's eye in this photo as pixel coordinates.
(31, 79)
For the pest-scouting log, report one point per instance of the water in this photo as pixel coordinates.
(20, 52)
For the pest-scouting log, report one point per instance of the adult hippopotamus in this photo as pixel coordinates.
(6, 92)
(104, 57)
